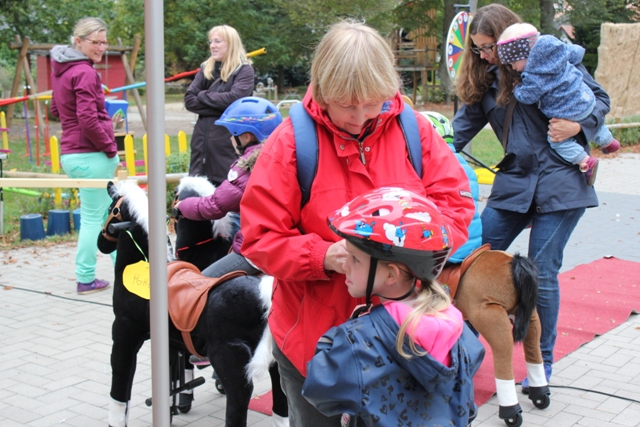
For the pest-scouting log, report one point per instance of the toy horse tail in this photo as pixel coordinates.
(525, 280)
(263, 356)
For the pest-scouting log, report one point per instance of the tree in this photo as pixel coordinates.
(586, 16)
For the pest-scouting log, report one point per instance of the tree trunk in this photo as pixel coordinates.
(547, 14)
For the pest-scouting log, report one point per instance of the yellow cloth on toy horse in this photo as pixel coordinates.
(188, 290)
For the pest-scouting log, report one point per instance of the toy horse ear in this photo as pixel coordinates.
(111, 189)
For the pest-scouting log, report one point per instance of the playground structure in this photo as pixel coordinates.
(417, 53)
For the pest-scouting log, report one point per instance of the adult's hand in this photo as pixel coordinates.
(561, 129)
(335, 257)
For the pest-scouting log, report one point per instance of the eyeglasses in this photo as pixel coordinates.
(98, 43)
(486, 49)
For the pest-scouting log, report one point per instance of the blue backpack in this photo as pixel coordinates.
(307, 161)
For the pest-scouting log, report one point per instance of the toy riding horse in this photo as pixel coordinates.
(488, 288)
(231, 331)
(197, 244)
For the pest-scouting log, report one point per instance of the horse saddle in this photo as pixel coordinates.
(187, 293)
(450, 275)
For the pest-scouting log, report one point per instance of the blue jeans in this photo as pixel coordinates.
(94, 203)
(550, 233)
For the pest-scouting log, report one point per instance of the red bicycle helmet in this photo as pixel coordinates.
(396, 225)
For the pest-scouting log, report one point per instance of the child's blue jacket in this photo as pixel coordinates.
(358, 371)
(552, 80)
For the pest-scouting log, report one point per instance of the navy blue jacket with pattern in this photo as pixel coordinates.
(358, 371)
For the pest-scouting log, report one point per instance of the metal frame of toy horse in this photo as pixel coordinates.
(234, 417)
(498, 285)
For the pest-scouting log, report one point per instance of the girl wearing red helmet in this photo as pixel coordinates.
(410, 358)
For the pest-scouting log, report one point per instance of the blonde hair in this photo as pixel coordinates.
(474, 80)
(431, 300)
(87, 26)
(353, 64)
(235, 57)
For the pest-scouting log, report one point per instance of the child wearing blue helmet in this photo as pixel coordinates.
(250, 121)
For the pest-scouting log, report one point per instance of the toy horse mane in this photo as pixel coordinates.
(203, 188)
(136, 200)
(197, 184)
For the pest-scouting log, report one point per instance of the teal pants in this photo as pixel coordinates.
(94, 203)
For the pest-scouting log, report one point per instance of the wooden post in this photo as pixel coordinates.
(32, 91)
(16, 77)
(131, 81)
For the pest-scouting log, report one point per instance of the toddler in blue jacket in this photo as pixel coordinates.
(550, 78)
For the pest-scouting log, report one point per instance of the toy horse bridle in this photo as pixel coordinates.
(113, 213)
(176, 215)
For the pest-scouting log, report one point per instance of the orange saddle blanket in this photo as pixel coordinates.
(187, 292)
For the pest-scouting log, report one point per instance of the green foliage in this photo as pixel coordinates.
(586, 16)
(628, 136)
(178, 162)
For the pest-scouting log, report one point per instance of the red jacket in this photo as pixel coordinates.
(290, 244)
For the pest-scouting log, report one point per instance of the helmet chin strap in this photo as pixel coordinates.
(373, 266)
(239, 146)
(400, 298)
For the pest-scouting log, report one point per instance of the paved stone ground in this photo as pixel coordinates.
(55, 345)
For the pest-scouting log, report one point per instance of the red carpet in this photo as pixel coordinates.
(594, 298)
(262, 403)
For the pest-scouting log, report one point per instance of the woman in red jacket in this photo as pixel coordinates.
(88, 146)
(354, 100)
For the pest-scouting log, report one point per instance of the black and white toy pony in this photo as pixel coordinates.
(231, 330)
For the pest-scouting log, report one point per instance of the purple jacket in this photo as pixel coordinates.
(227, 196)
(79, 103)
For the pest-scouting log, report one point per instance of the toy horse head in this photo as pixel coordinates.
(200, 242)
(128, 207)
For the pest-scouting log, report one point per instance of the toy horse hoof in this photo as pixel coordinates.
(511, 415)
(540, 396)
(220, 387)
(184, 402)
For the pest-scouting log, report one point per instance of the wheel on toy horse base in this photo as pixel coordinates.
(512, 415)
(179, 386)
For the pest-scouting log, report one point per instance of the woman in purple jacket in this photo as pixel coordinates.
(250, 121)
(88, 146)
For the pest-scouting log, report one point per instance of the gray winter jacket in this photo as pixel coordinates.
(211, 150)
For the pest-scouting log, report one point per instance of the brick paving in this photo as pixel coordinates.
(55, 345)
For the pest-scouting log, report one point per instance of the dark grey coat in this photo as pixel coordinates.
(211, 151)
(537, 175)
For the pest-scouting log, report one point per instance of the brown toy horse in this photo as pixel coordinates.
(489, 288)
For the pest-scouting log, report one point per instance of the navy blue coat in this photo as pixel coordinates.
(536, 175)
(358, 371)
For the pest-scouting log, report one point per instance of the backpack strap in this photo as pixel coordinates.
(306, 136)
(409, 126)
(306, 140)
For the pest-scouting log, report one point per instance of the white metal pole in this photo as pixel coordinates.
(154, 59)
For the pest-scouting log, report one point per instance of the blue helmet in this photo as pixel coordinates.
(251, 114)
